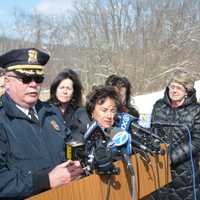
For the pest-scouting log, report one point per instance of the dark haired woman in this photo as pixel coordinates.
(123, 88)
(102, 105)
(66, 94)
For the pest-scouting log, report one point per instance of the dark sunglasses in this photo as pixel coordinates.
(29, 78)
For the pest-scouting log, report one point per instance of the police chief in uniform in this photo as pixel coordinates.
(32, 133)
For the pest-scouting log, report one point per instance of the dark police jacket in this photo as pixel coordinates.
(29, 150)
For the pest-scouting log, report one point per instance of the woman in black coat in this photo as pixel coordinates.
(174, 118)
(66, 94)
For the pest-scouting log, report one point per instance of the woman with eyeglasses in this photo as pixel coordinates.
(176, 119)
(66, 94)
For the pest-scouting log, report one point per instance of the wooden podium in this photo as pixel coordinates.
(149, 176)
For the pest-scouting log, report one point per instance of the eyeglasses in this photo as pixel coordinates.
(109, 112)
(29, 78)
(177, 87)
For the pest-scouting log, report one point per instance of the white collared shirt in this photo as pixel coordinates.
(26, 111)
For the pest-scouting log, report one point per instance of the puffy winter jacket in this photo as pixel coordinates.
(185, 122)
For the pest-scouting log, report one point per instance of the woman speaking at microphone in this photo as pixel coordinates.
(102, 105)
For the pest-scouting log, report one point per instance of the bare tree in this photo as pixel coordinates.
(144, 40)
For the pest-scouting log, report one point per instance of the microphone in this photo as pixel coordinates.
(144, 130)
(90, 130)
(126, 121)
(121, 141)
(141, 146)
(75, 150)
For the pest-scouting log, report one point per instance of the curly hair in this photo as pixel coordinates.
(98, 95)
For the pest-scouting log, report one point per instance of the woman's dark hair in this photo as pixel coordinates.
(76, 100)
(117, 81)
(98, 95)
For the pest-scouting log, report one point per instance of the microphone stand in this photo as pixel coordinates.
(129, 165)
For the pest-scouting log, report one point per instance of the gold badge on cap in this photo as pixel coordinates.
(54, 125)
(32, 56)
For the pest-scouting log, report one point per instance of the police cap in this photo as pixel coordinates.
(26, 60)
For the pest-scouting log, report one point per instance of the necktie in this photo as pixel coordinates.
(32, 115)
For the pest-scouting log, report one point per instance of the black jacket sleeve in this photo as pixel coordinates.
(16, 183)
(181, 152)
(81, 122)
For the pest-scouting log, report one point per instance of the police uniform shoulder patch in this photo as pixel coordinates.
(55, 125)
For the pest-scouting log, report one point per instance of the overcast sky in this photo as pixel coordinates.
(46, 7)
(53, 6)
